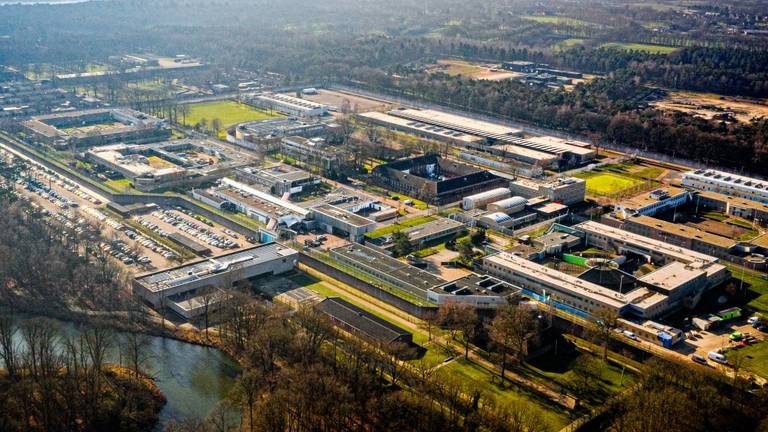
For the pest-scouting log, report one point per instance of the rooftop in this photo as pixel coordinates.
(452, 121)
(672, 276)
(684, 231)
(647, 243)
(734, 201)
(474, 284)
(406, 123)
(557, 279)
(647, 198)
(344, 215)
(434, 227)
(201, 269)
(361, 320)
(265, 197)
(732, 180)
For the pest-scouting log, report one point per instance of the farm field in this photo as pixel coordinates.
(559, 20)
(708, 105)
(229, 112)
(472, 70)
(652, 49)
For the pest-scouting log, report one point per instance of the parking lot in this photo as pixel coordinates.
(164, 222)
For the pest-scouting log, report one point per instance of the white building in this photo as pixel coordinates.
(483, 198)
(290, 105)
(727, 184)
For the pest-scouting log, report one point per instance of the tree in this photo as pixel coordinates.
(216, 126)
(401, 244)
(477, 237)
(459, 317)
(510, 330)
(465, 249)
(606, 320)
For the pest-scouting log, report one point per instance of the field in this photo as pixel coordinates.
(708, 105)
(607, 183)
(652, 49)
(755, 358)
(228, 112)
(559, 20)
(756, 284)
(568, 43)
(472, 70)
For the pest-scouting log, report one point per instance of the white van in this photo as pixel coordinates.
(717, 357)
(630, 335)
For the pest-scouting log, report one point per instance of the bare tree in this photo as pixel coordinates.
(509, 331)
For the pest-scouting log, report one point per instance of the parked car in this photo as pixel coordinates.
(698, 358)
(717, 357)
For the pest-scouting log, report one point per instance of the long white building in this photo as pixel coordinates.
(290, 105)
(727, 184)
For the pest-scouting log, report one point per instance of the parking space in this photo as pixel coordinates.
(167, 221)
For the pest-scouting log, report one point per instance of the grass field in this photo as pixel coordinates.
(652, 49)
(397, 226)
(568, 43)
(607, 183)
(755, 358)
(559, 20)
(756, 283)
(229, 112)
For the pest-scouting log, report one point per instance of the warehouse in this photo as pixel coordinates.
(159, 288)
(289, 105)
(434, 179)
(508, 205)
(362, 323)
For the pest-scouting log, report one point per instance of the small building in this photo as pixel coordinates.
(338, 221)
(568, 190)
(362, 323)
(433, 231)
(482, 199)
(480, 291)
(182, 240)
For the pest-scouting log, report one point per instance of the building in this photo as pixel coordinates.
(266, 134)
(520, 66)
(387, 271)
(341, 222)
(316, 155)
(481, 199)
(259, 205)
(434, 179)
(177, 284)
(679, 282)
(548, 284)
(653, 332)
(362, 323)
(482, 292)
(568, 190)
(731, 205)
(433, 231)
(279, 179)
(727, 184)
(96, 127)
(509, 205)
(681, 235)
(289, 105)
(168, 164)
(653, 203)
(655, 251)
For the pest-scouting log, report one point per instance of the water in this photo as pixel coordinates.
(194, 379)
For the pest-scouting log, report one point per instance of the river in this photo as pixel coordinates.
(193, 378)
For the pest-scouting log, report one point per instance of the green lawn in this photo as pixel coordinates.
(481, 379)
(568, 43)
(756, 283)
(229, 112)
(559, 20)
(652, 49)
(397, 226)
(122, 185)
(602, 183)
(755, 358)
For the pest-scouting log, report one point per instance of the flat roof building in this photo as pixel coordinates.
(336, 220)
(483, 198)
(290, 105)
(727, 184)
(432, 231)
(653, 202)
(182, 282)
(565, 190)
(480, 291)
(681, 235)
(731, 205)
(266, 133)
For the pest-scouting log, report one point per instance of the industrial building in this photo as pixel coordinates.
(543, 151)
(362, 323)
(434, 179)
(480, 291)
(653, 203)
(727, 184)
(568, 190)
(266, 134)
(289, 105)
(96, 127)
(176, 285)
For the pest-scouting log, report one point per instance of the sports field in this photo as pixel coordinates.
(652, 49)
(608, 183)
(228, 112)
